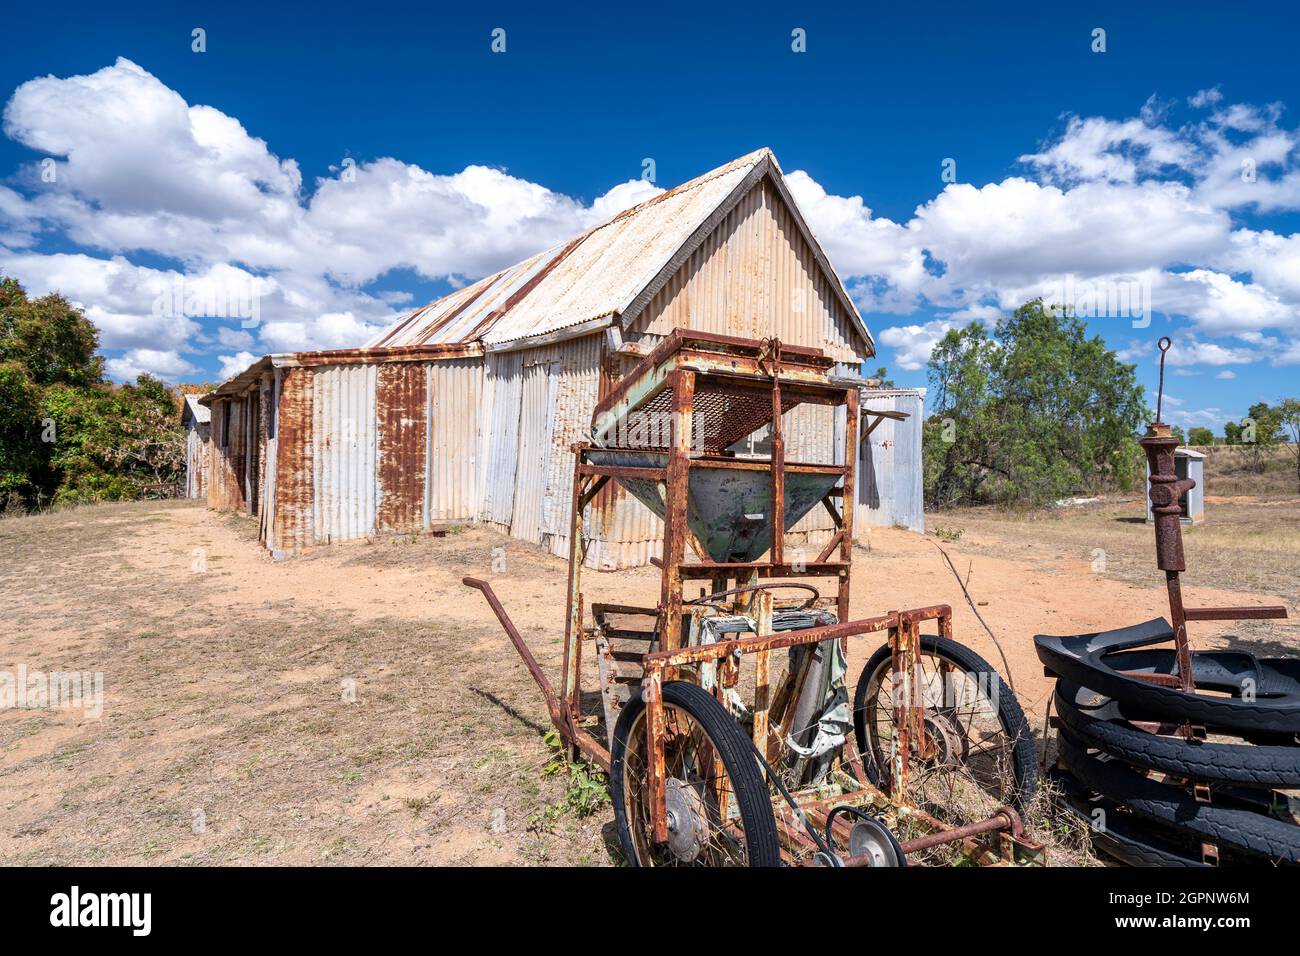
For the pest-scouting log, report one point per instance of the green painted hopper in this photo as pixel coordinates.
(729, 510)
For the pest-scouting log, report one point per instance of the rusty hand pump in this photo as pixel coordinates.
(1165, 487)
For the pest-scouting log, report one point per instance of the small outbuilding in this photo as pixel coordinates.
(1187, 464)
(197, 421)
(891, 492)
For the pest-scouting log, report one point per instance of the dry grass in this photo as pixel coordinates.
(1245, 544)
(1241, 470)
(242, 722)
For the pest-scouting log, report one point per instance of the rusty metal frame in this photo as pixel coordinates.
(685, 362)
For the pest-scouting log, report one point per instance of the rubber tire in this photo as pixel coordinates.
(737, 755)
(1024, 757)
(1244, 764)
(1167, 703)
(1243, 830)
(1123, 838)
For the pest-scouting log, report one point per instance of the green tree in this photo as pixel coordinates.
(1288, 414)
(1200, 435)
(114, 443)
(1034, 411)
(49, 337)
(1177, 432)
(882, 377)
(1261, 430)
(65, 433)
(23, 456)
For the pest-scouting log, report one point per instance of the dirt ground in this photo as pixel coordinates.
(358, 705)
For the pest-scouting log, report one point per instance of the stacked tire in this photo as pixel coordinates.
(1153, 797)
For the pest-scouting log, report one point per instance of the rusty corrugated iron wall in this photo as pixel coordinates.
(228, 455)
(503, 380)
(344, 447)
(401, 399)
(457, 420)
(291, 527)
(265, 453)
(558, 392)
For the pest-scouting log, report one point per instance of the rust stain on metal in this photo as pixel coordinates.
(401, 417)
(293, 513)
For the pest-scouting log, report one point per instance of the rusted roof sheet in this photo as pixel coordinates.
(607, 273)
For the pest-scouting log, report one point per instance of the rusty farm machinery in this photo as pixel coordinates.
(727, 720)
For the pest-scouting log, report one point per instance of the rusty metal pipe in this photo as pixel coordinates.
(1004, 819)
(559, 710)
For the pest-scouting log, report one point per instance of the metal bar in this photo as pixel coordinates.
(709, 569)
(624, 471)
(652, 694)
(675, 509)
(1179, 621)
(1233, 613)
(830, 546)
(777, 464)
(715, 461)
(828, 503)
(558, 709)
(761, 603)
(900, 676)
(783, 639)
(1004, 819)
(849, 500)
(594, 490)
(569, 684)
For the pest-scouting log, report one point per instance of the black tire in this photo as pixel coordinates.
(757, 819)
(1093, 718)
(1243, 830)
(1123, 839)
(1024, 760)
(1277, 712)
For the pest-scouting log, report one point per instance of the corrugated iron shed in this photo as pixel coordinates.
(465, 409)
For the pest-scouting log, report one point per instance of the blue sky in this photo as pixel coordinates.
(1117, 171)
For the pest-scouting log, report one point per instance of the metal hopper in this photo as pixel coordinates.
(729, 511)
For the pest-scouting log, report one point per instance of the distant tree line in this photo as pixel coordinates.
(66, 434)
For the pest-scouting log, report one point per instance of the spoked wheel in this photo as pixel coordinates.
(976, 754)
(719, 811)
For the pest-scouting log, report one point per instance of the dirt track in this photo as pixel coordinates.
(230, 734)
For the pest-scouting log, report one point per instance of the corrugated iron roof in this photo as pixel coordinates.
(608, 272)
(200, 413)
